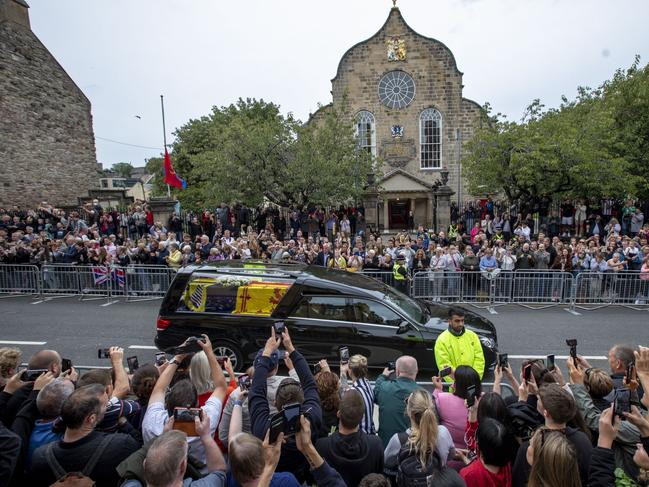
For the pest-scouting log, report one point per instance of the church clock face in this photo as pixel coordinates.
(396, 89)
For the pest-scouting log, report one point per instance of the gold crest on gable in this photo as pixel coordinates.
(396, 49)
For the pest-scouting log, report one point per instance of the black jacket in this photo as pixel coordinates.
(9, 453)
(291, 460)
(602, 468)
(353, 456)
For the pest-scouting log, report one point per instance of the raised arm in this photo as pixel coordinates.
(218, 378)
(215, 461)
(121, 387)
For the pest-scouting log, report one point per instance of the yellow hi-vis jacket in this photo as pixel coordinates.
(459, 350)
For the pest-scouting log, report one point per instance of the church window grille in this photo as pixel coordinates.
(430, 137)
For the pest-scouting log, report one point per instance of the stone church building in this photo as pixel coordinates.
(47, 144)
(405, 91)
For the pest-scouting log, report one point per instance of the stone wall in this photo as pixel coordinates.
(438, 85)
(47, 145)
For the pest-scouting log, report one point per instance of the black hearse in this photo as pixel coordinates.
(236, 303)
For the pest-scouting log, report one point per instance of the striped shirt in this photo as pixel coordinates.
(367, 423)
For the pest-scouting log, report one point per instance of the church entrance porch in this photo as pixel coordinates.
(398, 214)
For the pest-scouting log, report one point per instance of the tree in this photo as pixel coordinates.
(123, 169)
(573, 151)
(249, 152)
(153, 166)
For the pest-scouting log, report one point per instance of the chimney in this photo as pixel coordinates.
(15, 11)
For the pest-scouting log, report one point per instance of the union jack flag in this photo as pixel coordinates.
(118, 276)
(101, 274)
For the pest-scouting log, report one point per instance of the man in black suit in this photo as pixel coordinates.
(324, 255)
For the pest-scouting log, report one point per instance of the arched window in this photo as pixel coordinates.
(430, 138)
(366, 131)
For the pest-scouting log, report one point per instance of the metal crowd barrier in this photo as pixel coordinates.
(529, 288)
(18, 279)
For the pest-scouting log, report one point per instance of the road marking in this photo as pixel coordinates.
(15, 342)
(39, 302)
(109, 303)
(492, 310)
(560, 357)
(572, 311)
(143, 347)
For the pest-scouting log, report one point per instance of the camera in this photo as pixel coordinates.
(280, 328)
(191, 345)
(470, 396)
(160, 358)
(184, 420)
(32, 375)
(572, 343)
(445, 371)
(344, 355)
(622, 403)
(527, 373)
(549, 362)
(392, 366)
(244, 382)
(503, 360)
(103, 353)
(133, 364)
(66, 364)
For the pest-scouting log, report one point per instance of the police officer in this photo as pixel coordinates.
(400, 273)
(458, 346)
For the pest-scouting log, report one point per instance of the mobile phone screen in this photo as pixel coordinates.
(279, 328)
(344, 355)
(527, 372)
(549, 362)
(160, 358)
(622, 402)
(445, 371)
(470, 396)
(503, 359)
(276, 427)
(133, 364)
(292, 418)
(66, 364)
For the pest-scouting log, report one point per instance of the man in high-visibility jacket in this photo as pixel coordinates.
(400, 274)
(458, 346)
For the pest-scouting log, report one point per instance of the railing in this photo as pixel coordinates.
(532, 289)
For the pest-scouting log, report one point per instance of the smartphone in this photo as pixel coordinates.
(276, 427)
(291, 418)
(280, 328)
(66, 364)
(184, 419)
(549, 362)
(527, 373)
(244, 382)
(631, 374)
(132, 363)
(103, 353)
(445, 371)
(503, 360)
(191, 346)
(160, 358)
(344, 355)
(392, 366)
(316, 369)
(470, 396)
(572, 343)
(31, 375)
(622, 403)
(221, 361)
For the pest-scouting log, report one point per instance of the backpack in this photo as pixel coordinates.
(411, 473)
(75, 479)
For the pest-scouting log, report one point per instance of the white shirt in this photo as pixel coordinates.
(156, 416)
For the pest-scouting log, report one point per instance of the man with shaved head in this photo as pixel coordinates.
(390, 394)
(45, 359)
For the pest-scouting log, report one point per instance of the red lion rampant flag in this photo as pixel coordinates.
(170, 176)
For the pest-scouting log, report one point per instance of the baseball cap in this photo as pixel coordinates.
(274, 358)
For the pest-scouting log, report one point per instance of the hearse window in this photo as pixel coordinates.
(367, 311)
(322, 307)
(233, 294)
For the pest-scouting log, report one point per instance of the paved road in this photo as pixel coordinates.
(78, 328)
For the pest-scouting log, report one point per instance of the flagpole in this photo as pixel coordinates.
(164, 134)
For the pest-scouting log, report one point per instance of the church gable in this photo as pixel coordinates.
(398, 181)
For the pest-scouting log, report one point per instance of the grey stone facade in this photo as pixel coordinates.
(405, 185)
(47, 144)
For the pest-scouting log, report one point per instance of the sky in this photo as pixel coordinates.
(124, 54)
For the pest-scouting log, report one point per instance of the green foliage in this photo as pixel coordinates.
(588, 147)
(154, 166)
(123, 169)
(249, 152)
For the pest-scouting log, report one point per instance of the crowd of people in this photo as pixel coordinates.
(190, 421)
(484, 236)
